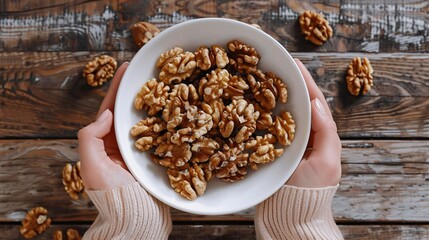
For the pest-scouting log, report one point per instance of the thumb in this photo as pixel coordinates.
(91, 144)
(98, 129)
(326, 143)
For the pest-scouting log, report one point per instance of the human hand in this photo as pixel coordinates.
(321, 164)
(102, 166)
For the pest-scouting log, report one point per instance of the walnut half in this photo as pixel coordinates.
(315, 27)
(189, 183)
(99, 70)
(72, 180)
(143, 32)
(359, 76)
(35, 222)
(72, 234)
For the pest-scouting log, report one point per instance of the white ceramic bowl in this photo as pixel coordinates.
(220, 197)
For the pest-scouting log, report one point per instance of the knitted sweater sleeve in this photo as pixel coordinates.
(297, 213)
(129, 212)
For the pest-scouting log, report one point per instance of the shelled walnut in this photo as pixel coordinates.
(202, 149)
(242, 57)
(284, 128)
(267, 89)
(180, 96)
(178, 69)
(72, 234)
(149, 131)
(99, 70)
(195, 123)
(359, 76)
(239, 117)
(207, 58)
(152, 96)
(142, 32)
(72, 180)
(263, 150)
(315, 27)
(171, 155)
(189, 182)
(230, 163)
(211, 87)
(35, 222)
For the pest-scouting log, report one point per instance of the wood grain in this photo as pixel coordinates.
(238, 232)
(43, 94)
(103, 25)
(382, 181)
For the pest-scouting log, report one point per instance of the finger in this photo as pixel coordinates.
(90, 138)
(109, 99)
(326, 143)
(313, 89)
(91, 145)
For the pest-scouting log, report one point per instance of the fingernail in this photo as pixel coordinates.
(319, 106)
(103, 116)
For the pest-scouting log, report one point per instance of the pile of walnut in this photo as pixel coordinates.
(211, 115)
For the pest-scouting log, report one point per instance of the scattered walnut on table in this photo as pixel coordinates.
(359, 76)
(242, 57)
(256, 26)
(263, 150)
(72, 234)
(142, 32)
(99, 70)
(57, 235)
(152, 97)
(72, 180)
(35, 222)
(315, 27)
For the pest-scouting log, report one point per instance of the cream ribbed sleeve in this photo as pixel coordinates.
(297, 213)
(129, 212)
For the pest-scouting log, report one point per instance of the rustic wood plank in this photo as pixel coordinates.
(103, 25)
(35, 86)
(382, 181)
(62, 70)
(236, 232)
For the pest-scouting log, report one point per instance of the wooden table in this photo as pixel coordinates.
(385, 134)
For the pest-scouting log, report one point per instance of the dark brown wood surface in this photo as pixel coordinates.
(44, 101)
